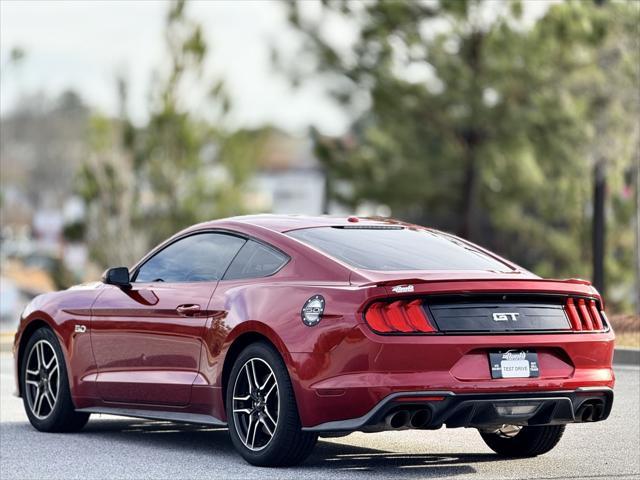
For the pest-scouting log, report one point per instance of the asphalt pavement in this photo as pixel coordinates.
(119, 448)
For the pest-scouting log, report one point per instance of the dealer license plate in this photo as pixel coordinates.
(514, 364)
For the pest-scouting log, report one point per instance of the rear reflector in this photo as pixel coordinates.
(584, 314)
(419, 399)
(398, 317)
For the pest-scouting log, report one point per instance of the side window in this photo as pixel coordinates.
(255, 260)
(198, 258)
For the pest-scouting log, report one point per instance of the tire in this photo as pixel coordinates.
(44, 380)
(250, 428)
(529, 442)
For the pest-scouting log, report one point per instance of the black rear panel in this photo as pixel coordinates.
(498, 313)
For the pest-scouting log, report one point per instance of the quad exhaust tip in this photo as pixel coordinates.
(409, 419)
(587, 414)
(398, 419)
(420, 418)
(590, 411)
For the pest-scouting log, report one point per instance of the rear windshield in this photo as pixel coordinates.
(397, 248)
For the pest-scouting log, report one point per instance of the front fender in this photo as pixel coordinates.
(30, 321)
(61, 312)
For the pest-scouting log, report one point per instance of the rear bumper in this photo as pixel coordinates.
(363, 369)
(479, 410)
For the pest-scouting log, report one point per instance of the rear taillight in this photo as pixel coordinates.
(584, 314)
(400, 316)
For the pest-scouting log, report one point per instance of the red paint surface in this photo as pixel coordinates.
(138, 351)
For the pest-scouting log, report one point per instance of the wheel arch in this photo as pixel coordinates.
(30, 328)
(243, 336)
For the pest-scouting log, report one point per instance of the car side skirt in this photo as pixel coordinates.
(183, 417)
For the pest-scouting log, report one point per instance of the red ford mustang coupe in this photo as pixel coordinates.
(286, 328)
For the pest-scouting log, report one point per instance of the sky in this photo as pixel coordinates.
(84, 45)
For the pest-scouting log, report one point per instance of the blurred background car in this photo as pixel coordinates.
(514, 124)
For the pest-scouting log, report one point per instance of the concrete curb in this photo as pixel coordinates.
(626, 356)
(621, 356)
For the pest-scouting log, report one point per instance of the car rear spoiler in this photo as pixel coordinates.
(417, 285)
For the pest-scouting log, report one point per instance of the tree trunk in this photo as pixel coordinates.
(472, 137)
(326, 194)
(637, 225)
(469, 190)
(599, 225)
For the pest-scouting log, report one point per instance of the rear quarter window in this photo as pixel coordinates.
(398, 248)
(255, 260)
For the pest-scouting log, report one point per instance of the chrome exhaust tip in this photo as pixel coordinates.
(587, 414)
(598, 412)
(591, 411)
(420, 418)
(397, 419)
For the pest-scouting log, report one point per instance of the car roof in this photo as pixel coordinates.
(285, 223)
(270, 227)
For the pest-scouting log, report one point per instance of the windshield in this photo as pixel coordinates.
(397, 248)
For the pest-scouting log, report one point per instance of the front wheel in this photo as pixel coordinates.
(45, 386)
(261, 410)
(515, 441)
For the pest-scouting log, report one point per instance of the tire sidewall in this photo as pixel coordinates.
(48, 423)
(531, 441)
(286, 407)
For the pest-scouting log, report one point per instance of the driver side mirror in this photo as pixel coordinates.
(118, 276)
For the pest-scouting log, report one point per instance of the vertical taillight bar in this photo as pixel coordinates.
(574, 318)
(595, 316)
(584, 314)
(400, 316)
(397, 318)
(375, 318)
(417, 317)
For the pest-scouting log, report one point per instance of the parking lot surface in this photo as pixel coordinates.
(119, 448)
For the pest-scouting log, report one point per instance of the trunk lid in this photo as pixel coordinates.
(473, 303)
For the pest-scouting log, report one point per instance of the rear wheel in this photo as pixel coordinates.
(516, 441)
(45, 386)
(261, 409)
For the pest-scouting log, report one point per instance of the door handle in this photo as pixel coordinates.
(188, 310)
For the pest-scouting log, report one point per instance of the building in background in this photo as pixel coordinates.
(289, 178)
